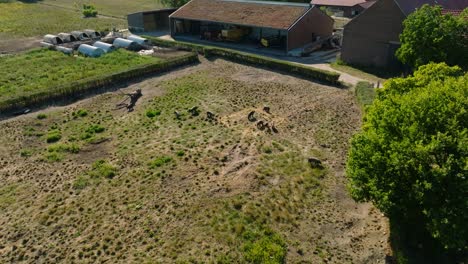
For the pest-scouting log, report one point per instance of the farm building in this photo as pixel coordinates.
(345, 8)
(372, 38)
(280, 25)
(147, 21)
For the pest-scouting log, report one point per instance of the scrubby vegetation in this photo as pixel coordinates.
(187, 189)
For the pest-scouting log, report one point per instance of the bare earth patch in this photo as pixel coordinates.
(188, 189)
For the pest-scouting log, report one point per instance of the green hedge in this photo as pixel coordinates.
(243, 57)
(83, 86)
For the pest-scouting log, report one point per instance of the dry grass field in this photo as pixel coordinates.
(87, 183)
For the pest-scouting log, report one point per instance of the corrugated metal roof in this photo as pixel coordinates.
(337, 2)
(409, 6)
(274, 15)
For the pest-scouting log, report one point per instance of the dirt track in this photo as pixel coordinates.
(228, 159)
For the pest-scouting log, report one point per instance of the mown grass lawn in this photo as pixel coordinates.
(19, 19)
(118, 8)
(41, 70)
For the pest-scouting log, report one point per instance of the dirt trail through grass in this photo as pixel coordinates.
(146, 186)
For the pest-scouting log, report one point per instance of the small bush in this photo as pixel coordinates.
(95, 129)
(89, 11)
(268, 249)
(152, 113)
(81, 182)
(158, 162)
(41, 116)
(53, 136)
(103, 169)
(54, 156)
(26, 153)
(180, 153)
(80, 113)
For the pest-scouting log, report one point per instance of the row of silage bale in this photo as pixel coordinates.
(133, 43)
(96, 50)
(90, 51)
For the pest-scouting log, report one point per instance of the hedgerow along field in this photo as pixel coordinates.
(87, 183)
(37, 71)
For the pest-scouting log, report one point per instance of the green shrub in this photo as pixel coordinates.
(53, 156)
(180, 153)
(89, 11)
(80, 113)
(95, 129)
(152, 113)
(53, 136)
(41, 116)
(26, 153)
(81, 182)
(267, 249)
(101, 168)
(158, 162)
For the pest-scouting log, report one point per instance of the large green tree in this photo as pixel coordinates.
(430, 36)
(411, 158)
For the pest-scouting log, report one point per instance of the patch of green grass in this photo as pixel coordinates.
(99, 170)
(80, 113)
(95, 129)
(21, 19)
(19, 75)
(81, 182)
(53, 156)
(180, 153)
(60, 147)
(270, 248)
(41, 116)
(53, 135)
(160, 161)
(365, 93)
(26, 153)
(367, 73)
(8, 195)
(152, 113)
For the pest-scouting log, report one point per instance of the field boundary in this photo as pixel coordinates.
(320, 75)
(82, 87)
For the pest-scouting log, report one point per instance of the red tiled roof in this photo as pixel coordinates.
(249, 13)
(409, 6)
(337, 2)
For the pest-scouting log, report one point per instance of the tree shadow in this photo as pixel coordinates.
(413, 245)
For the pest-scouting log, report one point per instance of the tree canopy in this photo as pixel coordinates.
(430, 36)
(411, 158)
